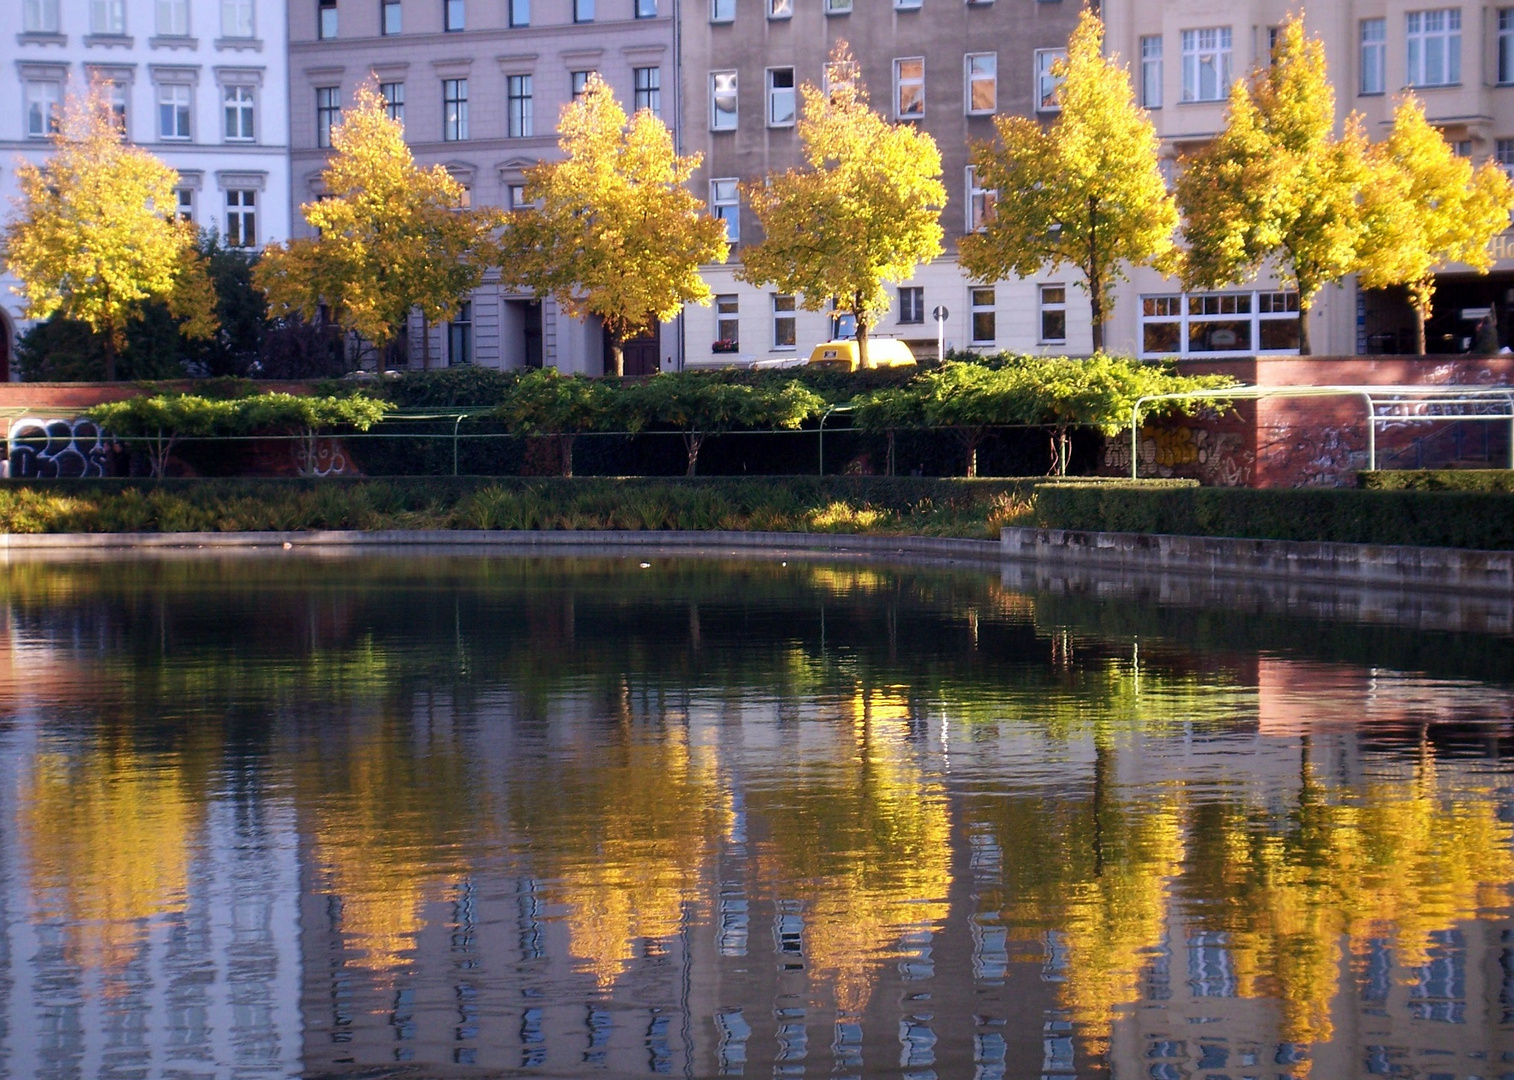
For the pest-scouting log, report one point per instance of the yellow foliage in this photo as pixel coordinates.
(1085, 191)
(865, 209)
(95, 235)
(393, 236)
(617, 235)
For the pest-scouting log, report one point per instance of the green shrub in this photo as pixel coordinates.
(1438, 480)
(1342, 515)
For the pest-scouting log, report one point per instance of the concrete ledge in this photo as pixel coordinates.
(1374, 565)
(841, 543)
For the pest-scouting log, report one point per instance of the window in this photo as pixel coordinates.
(1374, 50)
(241, 219)
(1434, 47)
(838, 7)
(783, 322)
(1462, 148)
(119, 95)
(912, 304)
(1046, 82)
(579, 82)
(649, 89)
(1053, 314)
(173, 18)
(723, 100)
(1151, 71)
(722, 10)
(780, 9)
(1219, 323)
(184, 197)
(236, 18)
(107, 16)
(725, 204)
(518, 200)
(982, 316)
(326, 16)
(391, 19)
(1206, 64)
(464, 195)
(1503, 153)
(239, 113)
(454, 14)
(583, 10)
(518, 89)
(328, 113)
(173, 111)
(646, 9)
(906, 5)
(780, 97)
(393, 94)
(460, 336)
(727, 323)
(42, 100)
(520, 12)
(909, 87)
(41, 16)
(982, 82)
(455, 109)
(980, 202)
(1505, 46)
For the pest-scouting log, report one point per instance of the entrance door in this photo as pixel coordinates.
(642, 354)
(531, 331)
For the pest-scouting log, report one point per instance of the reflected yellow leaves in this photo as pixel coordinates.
(109, 840)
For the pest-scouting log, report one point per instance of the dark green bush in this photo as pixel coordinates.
(1342, 515)
(1438, 480)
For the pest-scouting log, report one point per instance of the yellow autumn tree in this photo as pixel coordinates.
(1085, 191)
(864, 209)
(95, 235)
(1277, 185)
(616, 235)
(392, 236)
(1427, 207)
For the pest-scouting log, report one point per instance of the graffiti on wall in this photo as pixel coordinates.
(1218, 458)
(48, 448)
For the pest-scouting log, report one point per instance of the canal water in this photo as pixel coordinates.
(270, 816)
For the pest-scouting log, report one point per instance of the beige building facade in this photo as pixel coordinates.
(479, 85)
(1184, 54)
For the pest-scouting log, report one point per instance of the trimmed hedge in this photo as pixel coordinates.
(1438, 480)
(1463, 519)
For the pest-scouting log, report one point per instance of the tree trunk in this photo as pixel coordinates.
(692, 442)
(1095, 279)
(1303, 329)
(617, 357)
(970, 441)
(1421, 296)
(861, 336)
(425, 343)
(888, 469)
(1421, 315)
(565, 454)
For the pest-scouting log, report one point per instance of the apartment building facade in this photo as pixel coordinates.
(200, 83)
(479, 85)
(946, 65)
(1183, 56)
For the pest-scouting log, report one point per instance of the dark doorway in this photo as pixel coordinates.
(643, 354)
(5, 349)
(531, 331)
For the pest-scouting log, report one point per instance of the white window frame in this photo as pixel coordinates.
(982, 300)
(649, 96)
(777, 95)
(44, 107)
(170, 18)
(238, 19)
(1151, 71)
(39, 17)
(979, 202)
(725, 204)
(722, 11)
(1049, 304)
(107, 18)
(240, 101)
(1186, 310)
(780, 9)
(1207, 49)
(907, 5)
(1047, 84)
(973, 76)
(784, 309)
(1505, 70)
(183, 106)
(393, 94)
(578, 83)
(328, 114)
(1432, 41)
(838, 7)
(460, 336)
(724, 120)
(520, 106)
(386, 7)
(184, 203)
(728, 318)
(241, 207)
(901, 83)
(455, 123)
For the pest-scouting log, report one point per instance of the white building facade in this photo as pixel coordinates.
(203, 84)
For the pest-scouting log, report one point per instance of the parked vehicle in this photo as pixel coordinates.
(846, 356)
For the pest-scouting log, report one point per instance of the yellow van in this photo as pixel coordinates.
(844, 355)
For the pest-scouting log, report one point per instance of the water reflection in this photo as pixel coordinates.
(272, 817)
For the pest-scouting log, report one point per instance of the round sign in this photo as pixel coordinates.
(940, 314)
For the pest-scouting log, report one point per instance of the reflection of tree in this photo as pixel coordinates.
(623, 832)
(1393, 859)
(109, 835)
(864, 841)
